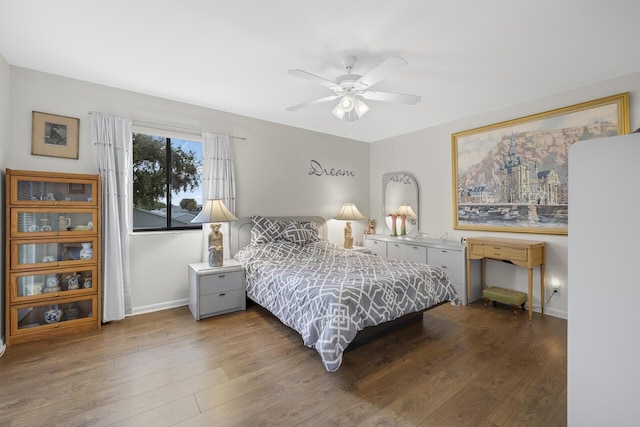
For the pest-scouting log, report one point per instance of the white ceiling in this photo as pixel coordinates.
(465, 56)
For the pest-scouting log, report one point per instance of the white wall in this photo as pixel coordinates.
(271, 169)
(427, 153)
(5, 119)
(603, 377)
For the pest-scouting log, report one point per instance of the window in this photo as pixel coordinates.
(166, 182)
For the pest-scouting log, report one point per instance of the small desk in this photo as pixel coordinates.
(525, 253)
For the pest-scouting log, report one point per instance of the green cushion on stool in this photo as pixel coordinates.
(504, 296)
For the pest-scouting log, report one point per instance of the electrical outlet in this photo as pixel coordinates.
(555, 285)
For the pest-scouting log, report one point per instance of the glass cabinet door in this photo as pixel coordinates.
(49, 315)
(29, 222)
(27, 254)
(52, 191)
(52, 283)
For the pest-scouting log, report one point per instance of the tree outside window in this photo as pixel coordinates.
(166, 182)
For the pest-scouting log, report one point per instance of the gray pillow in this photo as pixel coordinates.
(266, 230)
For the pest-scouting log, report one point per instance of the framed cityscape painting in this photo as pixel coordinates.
(512, 176)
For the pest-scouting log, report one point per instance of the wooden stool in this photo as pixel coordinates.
(504, 296)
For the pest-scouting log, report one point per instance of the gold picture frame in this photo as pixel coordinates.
(512, 176)
(54, 136)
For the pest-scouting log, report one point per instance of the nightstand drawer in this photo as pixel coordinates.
(222, 302)
(220, 282)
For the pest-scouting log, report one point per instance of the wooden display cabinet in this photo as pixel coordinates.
(53, 260)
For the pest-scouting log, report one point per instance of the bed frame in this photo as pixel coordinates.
(241, 236)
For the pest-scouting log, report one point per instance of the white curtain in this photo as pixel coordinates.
(218, 182)
(112, 141)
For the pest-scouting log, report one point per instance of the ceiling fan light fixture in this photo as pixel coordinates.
(361, 108)
(346, 103)
(338, 111)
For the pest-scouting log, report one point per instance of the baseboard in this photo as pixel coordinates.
(550, 311)
(556, 313)
(158, 307)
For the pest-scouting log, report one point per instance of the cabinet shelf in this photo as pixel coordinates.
(52, 254)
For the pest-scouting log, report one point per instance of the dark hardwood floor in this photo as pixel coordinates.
(470, 366)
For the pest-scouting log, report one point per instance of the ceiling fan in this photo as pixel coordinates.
(353, 88)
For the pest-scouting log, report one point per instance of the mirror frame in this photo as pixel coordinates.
(386, 178)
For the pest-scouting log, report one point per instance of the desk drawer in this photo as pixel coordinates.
(497, 252)
(220, 282)
(476, 250)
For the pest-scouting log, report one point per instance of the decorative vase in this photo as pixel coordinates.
(53, 314)
(86, 252)
(403, 226)
(394, 231)
(64, 222)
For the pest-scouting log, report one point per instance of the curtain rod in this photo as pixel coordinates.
(171, 127)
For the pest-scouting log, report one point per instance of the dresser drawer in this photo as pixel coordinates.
(377, 247)
(444, 256)
(222, 302)
(451, 262)
(407, 252)
(219, 282)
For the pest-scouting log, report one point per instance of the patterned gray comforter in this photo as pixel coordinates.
(328, 294)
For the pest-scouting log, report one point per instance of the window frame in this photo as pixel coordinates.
(168, 193)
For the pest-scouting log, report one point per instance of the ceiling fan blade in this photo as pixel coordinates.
(312, 77)
(390, 66)
(313, 102)
(400, 98)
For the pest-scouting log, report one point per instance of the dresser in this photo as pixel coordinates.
(448, 255)
(524, 253)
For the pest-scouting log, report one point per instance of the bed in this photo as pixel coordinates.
(326, 293)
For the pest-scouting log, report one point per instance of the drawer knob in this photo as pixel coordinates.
(222, 294)
(222, 275)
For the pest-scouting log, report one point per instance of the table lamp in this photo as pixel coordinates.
(349, 212)
(404, 212)
(216, 212)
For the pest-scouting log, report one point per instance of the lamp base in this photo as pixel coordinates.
(216, 255)
(348, 242)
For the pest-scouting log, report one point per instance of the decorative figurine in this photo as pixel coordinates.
(372, 227)
(72, 282)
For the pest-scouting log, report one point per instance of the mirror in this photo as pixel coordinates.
(399, 188)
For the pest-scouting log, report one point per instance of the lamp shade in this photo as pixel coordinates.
(214, 211)
(406, 210)
(349, 212)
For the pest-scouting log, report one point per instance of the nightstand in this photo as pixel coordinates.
(216, 290)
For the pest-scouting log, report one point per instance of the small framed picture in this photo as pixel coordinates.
(54, 136)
